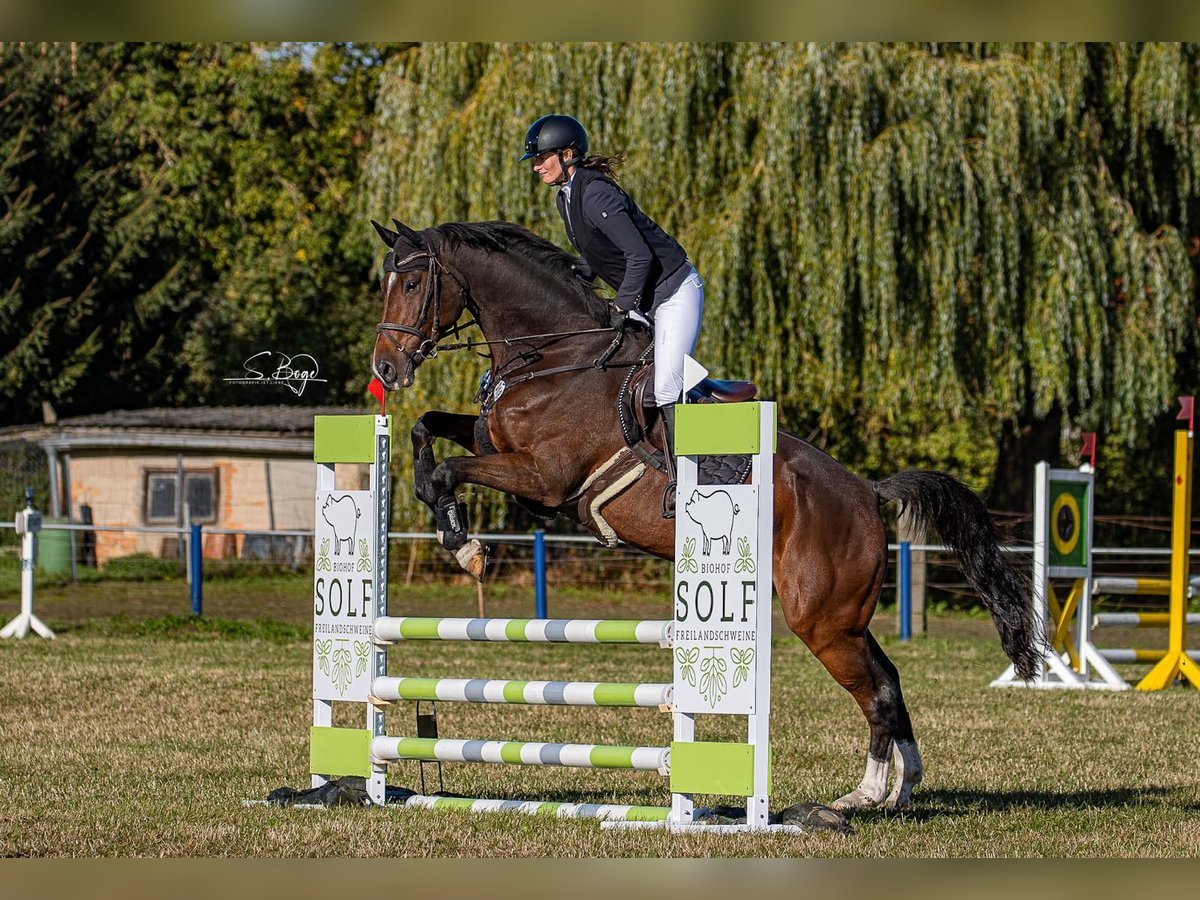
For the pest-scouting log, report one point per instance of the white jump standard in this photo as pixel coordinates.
(719, 638)
(29, 523)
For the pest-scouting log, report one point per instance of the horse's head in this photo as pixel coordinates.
(416, 310)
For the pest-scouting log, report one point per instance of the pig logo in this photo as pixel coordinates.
(342, 514)
(714, 514)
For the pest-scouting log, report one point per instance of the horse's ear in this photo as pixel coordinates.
(386, 235)
(411, 235)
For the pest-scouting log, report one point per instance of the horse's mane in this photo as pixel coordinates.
(506, 237)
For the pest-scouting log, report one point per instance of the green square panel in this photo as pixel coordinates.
(339, 751)
(710, 429)
(1068, 523)
(698, 767)
(344, 439)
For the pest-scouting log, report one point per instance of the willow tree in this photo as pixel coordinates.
(942, 255)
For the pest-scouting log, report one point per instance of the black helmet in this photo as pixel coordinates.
(555, 133)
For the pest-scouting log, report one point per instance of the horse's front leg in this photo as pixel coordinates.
(449, 513)
(455, 427)
(511, 473)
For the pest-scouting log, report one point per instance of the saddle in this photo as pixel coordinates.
(640, 424)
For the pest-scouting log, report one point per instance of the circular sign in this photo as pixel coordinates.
(1065, 524)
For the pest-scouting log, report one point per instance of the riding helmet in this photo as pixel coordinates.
(555, 132)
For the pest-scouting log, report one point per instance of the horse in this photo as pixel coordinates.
(560, 355)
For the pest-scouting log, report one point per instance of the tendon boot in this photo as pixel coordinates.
(668, 426)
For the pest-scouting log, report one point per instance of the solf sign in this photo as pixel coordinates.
(343, 595)
(716, 599)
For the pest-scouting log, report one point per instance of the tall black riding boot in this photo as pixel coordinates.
(668, 424)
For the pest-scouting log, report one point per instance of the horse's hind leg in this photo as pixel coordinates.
(859, 665)
(908, 770)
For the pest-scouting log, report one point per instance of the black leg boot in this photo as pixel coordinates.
(668, 425)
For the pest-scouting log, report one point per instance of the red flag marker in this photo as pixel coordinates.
(377, 391)
(1187, 411)
(1089, 448)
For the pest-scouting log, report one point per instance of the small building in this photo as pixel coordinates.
(248, 469)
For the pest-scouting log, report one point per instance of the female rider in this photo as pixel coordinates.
(627, 249)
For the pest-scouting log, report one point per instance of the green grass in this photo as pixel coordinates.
(140, 731)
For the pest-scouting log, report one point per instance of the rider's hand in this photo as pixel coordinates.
(583, 271)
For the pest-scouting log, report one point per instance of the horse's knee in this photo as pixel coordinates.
(421, 434)
(443, 479)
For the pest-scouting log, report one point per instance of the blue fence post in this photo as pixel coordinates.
(539, 573)
(905, 586)
(197, 555)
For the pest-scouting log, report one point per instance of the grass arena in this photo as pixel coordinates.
(142, 735)
(139, 732)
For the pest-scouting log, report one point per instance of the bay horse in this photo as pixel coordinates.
(548, 423)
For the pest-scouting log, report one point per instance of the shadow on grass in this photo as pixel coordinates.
(187, 628)
(938, 804)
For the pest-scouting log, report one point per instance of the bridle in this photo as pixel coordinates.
(429, 346)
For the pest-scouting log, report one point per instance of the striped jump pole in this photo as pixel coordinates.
(536, 693)
(1122, 587)
(605, 812)
(1139, 620)
(1153, 587)
(1135, 656)
(554, 631)
(524, 753)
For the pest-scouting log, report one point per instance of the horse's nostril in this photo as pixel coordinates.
(387, 373)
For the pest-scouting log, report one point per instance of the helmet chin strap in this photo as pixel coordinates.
(562, 167)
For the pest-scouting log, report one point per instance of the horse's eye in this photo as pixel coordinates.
(411, 284)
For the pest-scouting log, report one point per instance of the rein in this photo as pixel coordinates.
(430, 348)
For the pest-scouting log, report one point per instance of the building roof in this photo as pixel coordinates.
(280, 429)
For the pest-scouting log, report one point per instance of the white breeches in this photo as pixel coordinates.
(676, 327)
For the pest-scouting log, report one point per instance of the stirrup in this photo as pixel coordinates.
(668, 500)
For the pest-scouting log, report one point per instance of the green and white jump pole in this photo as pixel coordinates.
(719, 636)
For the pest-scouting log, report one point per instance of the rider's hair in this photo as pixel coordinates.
(605, 165)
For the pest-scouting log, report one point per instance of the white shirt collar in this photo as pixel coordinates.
(566, 188)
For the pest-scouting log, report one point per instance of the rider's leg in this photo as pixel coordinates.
(676, 327)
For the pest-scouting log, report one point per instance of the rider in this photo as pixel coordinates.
(627, 249)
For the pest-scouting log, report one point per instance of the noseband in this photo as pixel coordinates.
(427, 349)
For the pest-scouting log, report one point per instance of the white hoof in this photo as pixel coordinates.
(472, 557)
(856, 799)
(870, 791)
(908, 774)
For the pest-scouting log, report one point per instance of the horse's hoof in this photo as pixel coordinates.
(815, 817)
(856, 799)
(473, 558)
(898, 805)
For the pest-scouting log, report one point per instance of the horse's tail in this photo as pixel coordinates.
(964, 524)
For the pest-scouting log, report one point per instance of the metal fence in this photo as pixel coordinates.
(67, 552)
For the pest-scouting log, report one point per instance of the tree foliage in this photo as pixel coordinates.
(924, 253)
(929, 254)
(171, 209)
